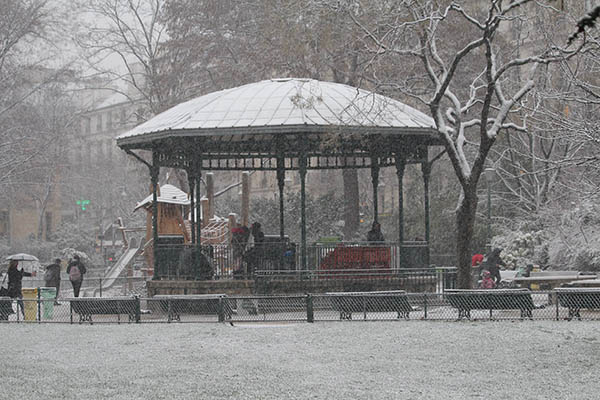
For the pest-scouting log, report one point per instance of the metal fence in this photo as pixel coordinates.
(451, 305)
(224, 261)
(97, 287)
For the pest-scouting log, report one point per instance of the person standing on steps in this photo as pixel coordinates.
(76, 270)
(375, 235)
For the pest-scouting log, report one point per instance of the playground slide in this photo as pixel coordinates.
(113, 273)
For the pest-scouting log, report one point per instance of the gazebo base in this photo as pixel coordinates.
(282, 286)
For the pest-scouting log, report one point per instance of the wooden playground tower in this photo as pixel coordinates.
(175, 217)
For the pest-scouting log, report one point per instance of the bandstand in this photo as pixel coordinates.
(286, 125)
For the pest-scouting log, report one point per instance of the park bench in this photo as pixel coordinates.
(382, 301)
(86, 307)
(6, 308)
(465, 300)
(209, 304)
(577, 298)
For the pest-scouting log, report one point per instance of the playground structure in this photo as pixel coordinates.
(175, 227)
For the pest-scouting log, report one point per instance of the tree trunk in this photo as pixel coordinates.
(465, 220)
(351, 210)
(42, 213)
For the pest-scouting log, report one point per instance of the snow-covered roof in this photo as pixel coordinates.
(282, 105)
(168, 194)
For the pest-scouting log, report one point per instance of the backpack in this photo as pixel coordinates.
(74, 273)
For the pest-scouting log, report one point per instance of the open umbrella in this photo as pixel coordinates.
(22, 257)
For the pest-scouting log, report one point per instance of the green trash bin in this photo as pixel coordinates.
(47, 295)
(30, 303)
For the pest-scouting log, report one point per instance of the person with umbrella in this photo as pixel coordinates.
(15, 283)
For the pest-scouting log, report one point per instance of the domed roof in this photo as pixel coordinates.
(282, 105)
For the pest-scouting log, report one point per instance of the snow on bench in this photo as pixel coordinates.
(465, 300)
(577, 298)
(381, 301)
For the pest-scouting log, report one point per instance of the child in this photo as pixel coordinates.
(487, 282)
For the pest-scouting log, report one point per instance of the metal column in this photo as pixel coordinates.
(375, 182)
(302, 169)
(198, 176)
(281, 185)
(154, 171)
(400, 165)
(192, 184)
(426, 168)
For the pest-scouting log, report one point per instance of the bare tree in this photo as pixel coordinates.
(21, 24)
(123, 43)
(470, 87)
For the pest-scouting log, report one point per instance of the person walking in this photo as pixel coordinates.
(52, 277)
(476, 261)
(254, 256)
(76, 270)
(492, 263)
(15, 283)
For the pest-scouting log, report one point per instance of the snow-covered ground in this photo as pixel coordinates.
(337, 360)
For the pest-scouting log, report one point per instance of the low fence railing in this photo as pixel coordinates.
(432, 279)
(436, 278)
(96, 286)
(223, 261)
(451, 305)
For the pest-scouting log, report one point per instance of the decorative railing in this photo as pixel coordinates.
(217, 261)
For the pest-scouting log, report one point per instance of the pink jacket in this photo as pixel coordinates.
(488, 283)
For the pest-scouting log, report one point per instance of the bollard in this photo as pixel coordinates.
(310, 314)
(169, 310)
(39, 307)
(424, 305)
(221, 310)
(138, 309)
(100, 287)
(556, 298)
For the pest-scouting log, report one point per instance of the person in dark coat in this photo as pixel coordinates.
(76, 278)
(257, 233)
(375, 235)
(254, 255)
(15, 283)
(492, 263)
(52, 277)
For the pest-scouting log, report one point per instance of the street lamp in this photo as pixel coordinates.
(490, 174)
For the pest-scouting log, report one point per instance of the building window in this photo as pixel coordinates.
(109, 124)
(109, 149)
(323, 176)
(123, 117)
(263, 183)
(99, 123)
(87, 125)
